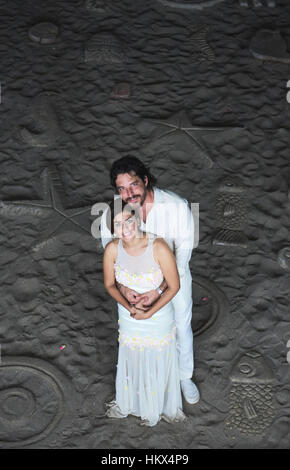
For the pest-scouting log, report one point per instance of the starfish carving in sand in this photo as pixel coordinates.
(59, 218)
(179, 124)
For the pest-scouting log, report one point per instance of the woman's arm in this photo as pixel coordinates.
(109, 259)
(131, 295)
(150, 297)
(166, 259)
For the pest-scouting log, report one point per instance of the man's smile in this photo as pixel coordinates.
(133, 199)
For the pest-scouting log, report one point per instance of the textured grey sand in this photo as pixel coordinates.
(53, 307)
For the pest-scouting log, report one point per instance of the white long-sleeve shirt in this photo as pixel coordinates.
(170, 218)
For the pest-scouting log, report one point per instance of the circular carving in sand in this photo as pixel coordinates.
(190, 4)
(210, 307)
(16, 404)
(43, 33)
(32, 400)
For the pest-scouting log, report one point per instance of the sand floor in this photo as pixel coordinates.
(102, 84)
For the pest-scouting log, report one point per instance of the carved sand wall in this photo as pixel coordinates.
(197, 90)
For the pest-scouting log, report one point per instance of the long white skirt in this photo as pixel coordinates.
(147, 381)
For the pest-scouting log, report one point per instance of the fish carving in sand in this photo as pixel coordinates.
(231, 213)
(251, 408)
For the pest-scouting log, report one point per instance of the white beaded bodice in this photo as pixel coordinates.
(140, 273)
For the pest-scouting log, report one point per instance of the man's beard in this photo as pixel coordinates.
(140, 200)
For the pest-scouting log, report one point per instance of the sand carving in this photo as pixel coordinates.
(59, 219)
(34, 398)
(251, 408)
(45, 130)
(105, 48)
(231, 213)
(43, 33)
(179, 129)
(199, 42)
(96, 6)
(284, 258)
(190, 4)
(269, 45)
(258, 3)
(210, 307)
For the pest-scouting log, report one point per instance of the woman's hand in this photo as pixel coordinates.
(140, 304)
(147, 299)
(139, 314)
(132, 296)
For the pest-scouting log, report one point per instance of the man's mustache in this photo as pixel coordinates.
(133, 197)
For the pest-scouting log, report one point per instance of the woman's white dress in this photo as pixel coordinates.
(147, 380)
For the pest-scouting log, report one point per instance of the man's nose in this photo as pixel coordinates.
(131, 191)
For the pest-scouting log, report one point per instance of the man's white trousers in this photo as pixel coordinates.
(182, 303)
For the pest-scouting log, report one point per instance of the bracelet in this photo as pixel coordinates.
(160, 291)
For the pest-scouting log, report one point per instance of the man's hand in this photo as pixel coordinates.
(141, 301)
(131, 295)
(138, 314)
(147, 299)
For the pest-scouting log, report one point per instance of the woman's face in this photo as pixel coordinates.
(125, 225)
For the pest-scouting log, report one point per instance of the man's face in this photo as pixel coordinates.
(131, 188)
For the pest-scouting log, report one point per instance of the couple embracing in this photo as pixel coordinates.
(148, 237)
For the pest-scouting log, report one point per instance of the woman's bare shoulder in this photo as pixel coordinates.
(160, 245)
(112, 248)
(159, 241)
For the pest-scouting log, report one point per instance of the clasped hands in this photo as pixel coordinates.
(140, 303)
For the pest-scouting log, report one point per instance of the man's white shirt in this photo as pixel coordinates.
(170, 218)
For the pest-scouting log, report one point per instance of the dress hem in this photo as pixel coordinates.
(114, 411)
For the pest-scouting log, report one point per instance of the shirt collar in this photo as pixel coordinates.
(158, 196)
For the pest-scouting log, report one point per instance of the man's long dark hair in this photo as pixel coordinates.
(128, 164)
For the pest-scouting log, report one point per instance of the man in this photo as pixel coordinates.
(167, 215)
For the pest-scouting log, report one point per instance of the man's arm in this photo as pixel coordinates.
(184, 239)
(105, 232)
(163, 286)
(131, 295)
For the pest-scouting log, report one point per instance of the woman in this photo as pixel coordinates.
(147, 382)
